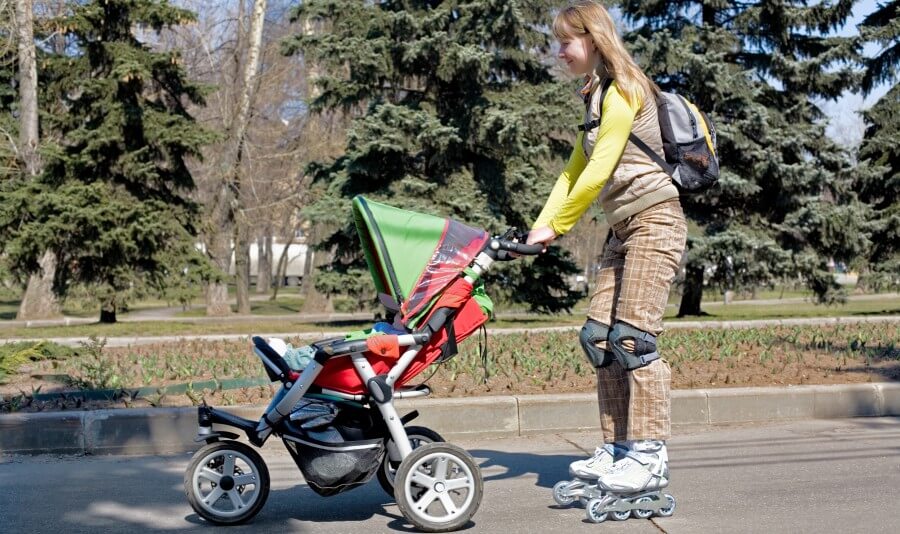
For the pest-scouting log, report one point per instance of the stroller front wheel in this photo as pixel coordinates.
(438, 487)
(418, 436)
(227, 482)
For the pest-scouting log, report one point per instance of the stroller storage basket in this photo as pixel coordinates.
(337, 446)
(331, 468)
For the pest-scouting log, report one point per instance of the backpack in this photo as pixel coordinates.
(688, 138)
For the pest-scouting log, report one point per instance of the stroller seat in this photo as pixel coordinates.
(340, 375)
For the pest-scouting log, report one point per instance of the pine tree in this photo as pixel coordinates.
(8, 128)
(882, 27)
(112, 202)
(784, 205)
(459, 117)
(881, 145)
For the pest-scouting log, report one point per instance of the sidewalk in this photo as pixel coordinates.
(832, 476)
(172, 430)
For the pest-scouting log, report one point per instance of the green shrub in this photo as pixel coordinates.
(15, 355)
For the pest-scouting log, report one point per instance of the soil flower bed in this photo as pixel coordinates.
(529, 363)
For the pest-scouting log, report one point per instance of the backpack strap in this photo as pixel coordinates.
(596, 122)
(652, 154)
(631, 137)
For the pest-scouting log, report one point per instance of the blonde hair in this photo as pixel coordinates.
(587, 17)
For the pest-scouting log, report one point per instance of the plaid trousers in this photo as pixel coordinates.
(639, 262)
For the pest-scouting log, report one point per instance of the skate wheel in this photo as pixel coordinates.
(621, 515)
(594, 511)
(438, 487)
(669, 510)
(561, 495)
(642, 514)
(226, 483)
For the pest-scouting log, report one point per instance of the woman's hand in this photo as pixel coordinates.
(544, 235)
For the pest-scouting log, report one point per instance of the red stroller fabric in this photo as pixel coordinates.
(339, 373)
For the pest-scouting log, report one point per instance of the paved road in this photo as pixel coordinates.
(812, 476)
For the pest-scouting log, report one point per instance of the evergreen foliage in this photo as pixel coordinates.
(458, 112)
(785, 203)
(8, 124)
(113, 200)
(882, 27)
(881, 146)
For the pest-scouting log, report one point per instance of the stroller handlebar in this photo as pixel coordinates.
(520, 248)
(503, 249)
(512, 244)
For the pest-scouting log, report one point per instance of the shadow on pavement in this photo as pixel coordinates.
(549, 469)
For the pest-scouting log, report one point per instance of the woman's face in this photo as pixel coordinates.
(579, 53)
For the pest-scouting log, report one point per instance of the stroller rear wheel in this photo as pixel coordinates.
(418, 436)
(438, 487)
(227, 482)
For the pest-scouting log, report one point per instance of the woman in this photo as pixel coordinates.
(641, 255)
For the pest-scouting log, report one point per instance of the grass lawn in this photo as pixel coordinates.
(520, 363)
(715, 312)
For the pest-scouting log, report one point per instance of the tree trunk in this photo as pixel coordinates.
(264, 262)
(218, 249)
(693, 290)
(233, 180)
(40, 301)
(709, 15)
(242, 269)
(282, 267)
(108, 310)
(28, 99)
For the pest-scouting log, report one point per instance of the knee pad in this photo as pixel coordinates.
(644, 352)
(591, 333)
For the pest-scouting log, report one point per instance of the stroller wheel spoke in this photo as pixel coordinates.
(449, 506)
(213, 496)
(245, 480)
(440, 469)
(425, 500)
(458, 483)
(210, 475)
(422, 479)
(228, 468)
(236, 499)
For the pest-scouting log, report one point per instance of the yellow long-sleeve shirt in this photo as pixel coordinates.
(583, 179)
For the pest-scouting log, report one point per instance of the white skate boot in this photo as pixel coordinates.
(632, 485)
(585, 473)
(597, 465)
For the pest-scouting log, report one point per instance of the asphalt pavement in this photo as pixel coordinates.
(803, 476)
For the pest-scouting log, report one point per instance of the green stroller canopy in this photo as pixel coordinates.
(413, 256)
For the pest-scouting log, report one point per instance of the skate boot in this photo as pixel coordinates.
(631, 487)
(585, 473)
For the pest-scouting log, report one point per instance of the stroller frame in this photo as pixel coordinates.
(412, 475)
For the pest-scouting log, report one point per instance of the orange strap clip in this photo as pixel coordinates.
(385, 345)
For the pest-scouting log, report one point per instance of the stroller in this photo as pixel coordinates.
(336, 415)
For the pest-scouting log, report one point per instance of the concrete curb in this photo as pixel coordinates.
(171, 430)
